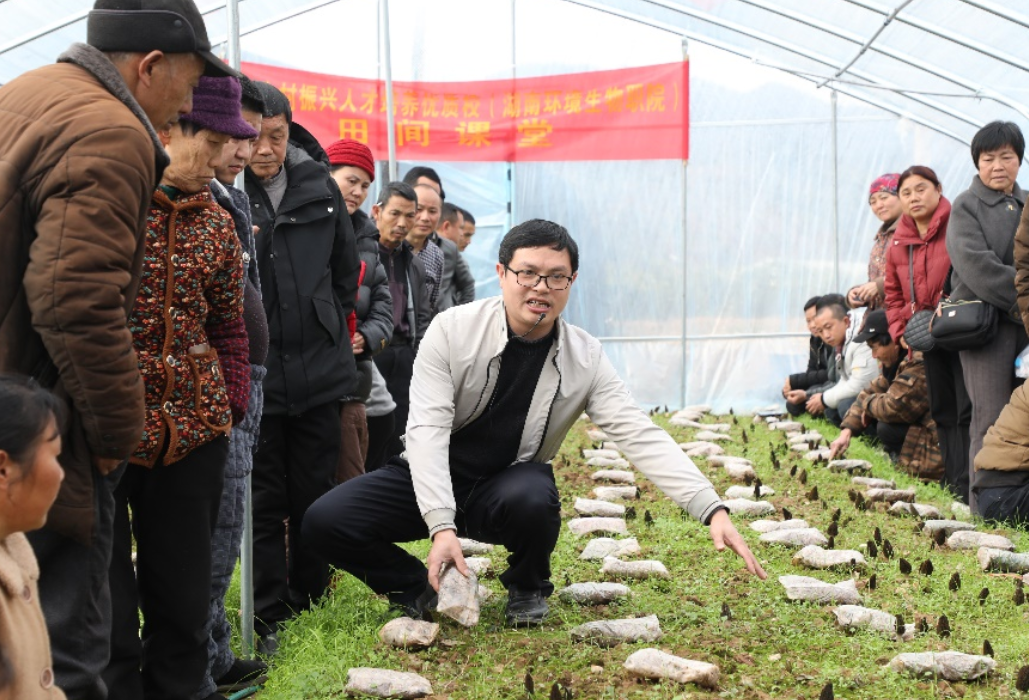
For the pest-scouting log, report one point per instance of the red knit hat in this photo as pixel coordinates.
(351, 152)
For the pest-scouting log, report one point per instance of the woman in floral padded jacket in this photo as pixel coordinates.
(191, 343)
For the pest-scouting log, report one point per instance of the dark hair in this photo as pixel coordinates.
(449, 213)
(189, 128)
(411, 178)
(538, 233)
(836, 302)
(275, 102)
(467, 216)
(997, 135)
(251, 99)
(396, 189)
(881, 339)
(922, 171)
(25, 411)
(812, 301)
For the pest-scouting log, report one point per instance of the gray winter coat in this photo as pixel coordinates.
(980, 242)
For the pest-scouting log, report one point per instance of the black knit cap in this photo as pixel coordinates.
(171, 26)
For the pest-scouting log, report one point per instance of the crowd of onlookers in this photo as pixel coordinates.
(184, 262)
(193, 299)
(921, 357)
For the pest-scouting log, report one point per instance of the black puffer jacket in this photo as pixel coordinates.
(374, 303)
(309, 269)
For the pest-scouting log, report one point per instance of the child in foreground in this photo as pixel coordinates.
(30, 477)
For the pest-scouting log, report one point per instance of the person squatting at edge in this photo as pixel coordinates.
(498, 383)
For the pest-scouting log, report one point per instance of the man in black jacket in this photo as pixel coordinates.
(309, 271)
(394, 214)
(797, 386)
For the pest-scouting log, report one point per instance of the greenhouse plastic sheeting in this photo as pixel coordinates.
(773, 213)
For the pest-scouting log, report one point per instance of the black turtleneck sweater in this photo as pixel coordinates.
(490, 442)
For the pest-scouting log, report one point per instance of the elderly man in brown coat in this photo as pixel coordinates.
(79, 160)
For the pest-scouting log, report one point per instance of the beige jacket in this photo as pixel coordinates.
(455, 373)
(23, 636)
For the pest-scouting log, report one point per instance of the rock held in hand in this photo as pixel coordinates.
(458, 596)
(380, 683)
(657, 665)
(405, 633)
(948, 665)
(611, 632)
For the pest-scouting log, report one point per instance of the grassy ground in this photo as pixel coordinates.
(770, 648)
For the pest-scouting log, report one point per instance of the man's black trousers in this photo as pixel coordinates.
(295, 464)
(356, 525)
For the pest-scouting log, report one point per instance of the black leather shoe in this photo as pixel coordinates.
(268, 645)
(420, 608)
(243, 673)
(525, 608)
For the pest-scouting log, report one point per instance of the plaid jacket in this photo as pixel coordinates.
(904, 400)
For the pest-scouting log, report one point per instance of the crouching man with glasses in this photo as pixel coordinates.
(497, 385)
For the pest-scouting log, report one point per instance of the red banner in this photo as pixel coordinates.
(627, 114)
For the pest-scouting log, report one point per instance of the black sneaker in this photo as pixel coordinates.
(243, 673)
(420, 608)
(268, 645)
(525, 608)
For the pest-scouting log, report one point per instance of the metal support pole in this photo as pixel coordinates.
(835, 195)
(391, 127)
(685, 248)
(512, 189)
(246, 553)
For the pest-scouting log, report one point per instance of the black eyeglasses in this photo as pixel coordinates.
(529, 279)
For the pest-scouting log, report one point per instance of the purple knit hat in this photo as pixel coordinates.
(216, 106)
(885, 183)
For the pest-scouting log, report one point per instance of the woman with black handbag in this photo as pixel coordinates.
(917, 266)
(981, 247)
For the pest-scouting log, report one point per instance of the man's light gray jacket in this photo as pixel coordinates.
(455, 373)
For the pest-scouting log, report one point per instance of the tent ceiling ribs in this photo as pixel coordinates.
(864, 47)
(913, 61)
(1003, 13)
(738, 51)
(801, 51)
(279, 19)
(948, 35)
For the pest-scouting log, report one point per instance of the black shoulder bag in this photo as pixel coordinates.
(917, 333)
